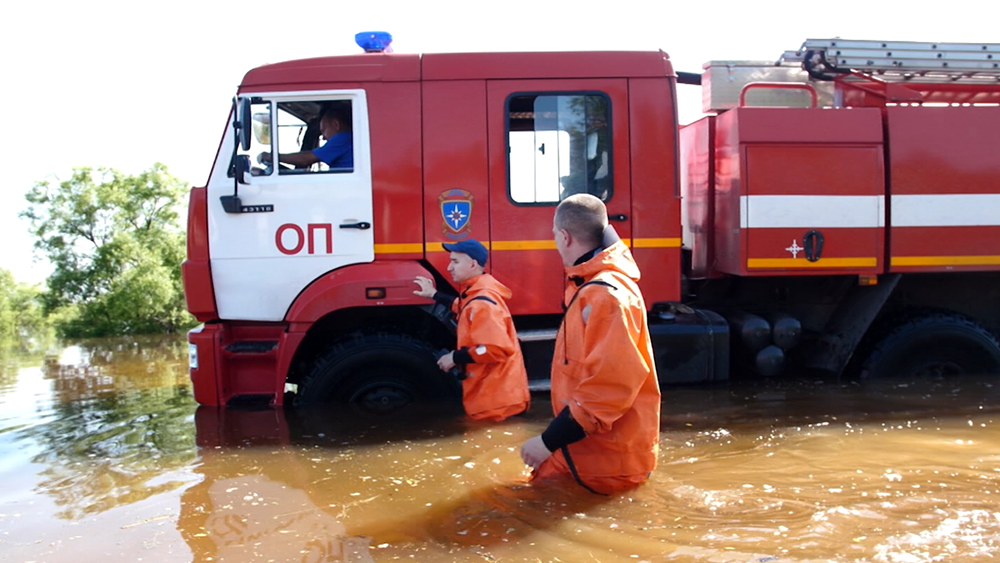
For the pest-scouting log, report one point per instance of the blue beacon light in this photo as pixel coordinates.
(373, 41)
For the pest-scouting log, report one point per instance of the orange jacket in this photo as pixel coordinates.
(496, 385)
(603, 370)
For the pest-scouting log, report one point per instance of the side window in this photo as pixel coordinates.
(315, 136)
(557, 146)
(260, 141)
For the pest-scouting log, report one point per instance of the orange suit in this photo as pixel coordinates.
(496, 385)
(603, 370)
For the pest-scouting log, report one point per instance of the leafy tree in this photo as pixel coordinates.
(116, 246)
(21, 315)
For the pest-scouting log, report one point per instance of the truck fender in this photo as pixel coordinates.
(348, 287)
(343, 288)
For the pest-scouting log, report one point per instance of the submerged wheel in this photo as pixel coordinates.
(934, 345)
(377, 372)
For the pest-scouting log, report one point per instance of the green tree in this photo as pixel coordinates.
(21, 315)
(116, 247)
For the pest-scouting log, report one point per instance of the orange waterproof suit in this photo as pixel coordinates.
(496, 383)
(603, 370)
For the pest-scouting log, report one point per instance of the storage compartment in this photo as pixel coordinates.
(799, 192)
(722, 81)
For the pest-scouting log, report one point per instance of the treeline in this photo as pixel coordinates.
(116, 245)
(21, 313)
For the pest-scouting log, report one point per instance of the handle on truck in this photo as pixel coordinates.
(777, 86)
(361, 225)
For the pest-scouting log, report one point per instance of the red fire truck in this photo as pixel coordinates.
(836, 212)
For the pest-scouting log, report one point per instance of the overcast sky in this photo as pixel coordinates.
(127, 84)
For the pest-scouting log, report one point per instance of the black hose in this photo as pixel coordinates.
(820, 71)
(692, 78)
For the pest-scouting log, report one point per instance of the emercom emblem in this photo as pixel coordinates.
(456, 210)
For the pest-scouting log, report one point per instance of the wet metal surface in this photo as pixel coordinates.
(105, 456)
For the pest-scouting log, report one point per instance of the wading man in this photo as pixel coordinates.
(605, 396)
(488, 354)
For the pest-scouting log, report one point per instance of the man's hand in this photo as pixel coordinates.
(447, 361)
(426, 287)
(264, 157)
(534, 452)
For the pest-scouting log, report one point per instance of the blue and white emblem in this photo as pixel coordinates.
(456, 210)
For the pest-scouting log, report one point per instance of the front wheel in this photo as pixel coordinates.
(376, 372)
(935, 345)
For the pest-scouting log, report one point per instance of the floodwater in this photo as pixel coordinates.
(104, 456)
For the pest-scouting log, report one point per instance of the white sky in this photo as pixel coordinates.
(126, 84)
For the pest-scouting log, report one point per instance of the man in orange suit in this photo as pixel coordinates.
(605, 395)
(496, 384)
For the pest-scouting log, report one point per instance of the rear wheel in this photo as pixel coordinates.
(377, 372)
(934, 345)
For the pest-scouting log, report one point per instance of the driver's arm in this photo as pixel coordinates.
(302, 158)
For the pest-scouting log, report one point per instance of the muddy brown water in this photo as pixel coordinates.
(104, 456)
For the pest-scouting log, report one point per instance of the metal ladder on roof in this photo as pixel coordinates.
(902, 60)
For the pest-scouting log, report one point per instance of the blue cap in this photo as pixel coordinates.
(472, 247)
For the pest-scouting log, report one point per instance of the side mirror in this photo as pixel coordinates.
(232, 203)
(243, 123)
(262, 127)
(242, 168)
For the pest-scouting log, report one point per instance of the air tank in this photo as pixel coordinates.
(753, 331)
(786, 330)
(770, 361)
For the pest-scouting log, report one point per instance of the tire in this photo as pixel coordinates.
(379, 373)
(934, 345)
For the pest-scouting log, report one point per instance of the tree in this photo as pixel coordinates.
(116, 247)
(21, 316)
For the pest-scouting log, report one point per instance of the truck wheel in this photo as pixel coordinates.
(377, 372)
(934, 346)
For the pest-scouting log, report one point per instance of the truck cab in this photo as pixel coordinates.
(445, 147)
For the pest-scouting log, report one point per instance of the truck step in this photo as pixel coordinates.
(539, 335)
(252, 347)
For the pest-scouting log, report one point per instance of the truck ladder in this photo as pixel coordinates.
(902, 60)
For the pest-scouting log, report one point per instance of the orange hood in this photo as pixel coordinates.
(484, 285)
(617, 258)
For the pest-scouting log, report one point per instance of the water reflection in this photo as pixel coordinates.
(352, 486)
(252, 503)
(103, 368)
(800, 471)
(116, 424)
(104, 454)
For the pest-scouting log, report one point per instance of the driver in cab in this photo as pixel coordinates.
(338, 150)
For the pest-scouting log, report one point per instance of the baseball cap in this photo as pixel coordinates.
(472, 247)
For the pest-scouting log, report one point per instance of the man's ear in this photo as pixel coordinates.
(567, 237)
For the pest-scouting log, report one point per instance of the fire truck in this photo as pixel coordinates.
(836, 212)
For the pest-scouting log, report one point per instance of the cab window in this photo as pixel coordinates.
(315, 137)
(558, 145)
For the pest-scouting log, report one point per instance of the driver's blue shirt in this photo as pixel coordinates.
(338, 151)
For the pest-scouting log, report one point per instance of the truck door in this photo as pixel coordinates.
(296, 220)
(549, 139)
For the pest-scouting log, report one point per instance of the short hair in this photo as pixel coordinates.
(584, 216)
(341, 111)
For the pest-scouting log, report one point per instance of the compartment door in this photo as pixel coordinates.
(813, 209)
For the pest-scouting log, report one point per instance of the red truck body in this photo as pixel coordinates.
(770, 239)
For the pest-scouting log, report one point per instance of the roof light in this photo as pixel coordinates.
(374, 41)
